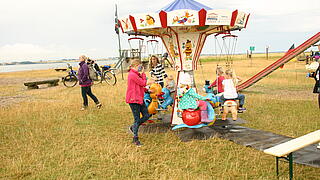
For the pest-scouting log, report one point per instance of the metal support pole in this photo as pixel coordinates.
(277, 166)
(121, 67)
(120, 56)
(290, 166)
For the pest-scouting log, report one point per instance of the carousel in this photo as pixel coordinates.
(183, 26)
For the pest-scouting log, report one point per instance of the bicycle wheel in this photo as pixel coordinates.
(70, 80)
(110, 78)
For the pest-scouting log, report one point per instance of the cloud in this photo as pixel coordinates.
(23, 52)
(43, 29)
(29, 51)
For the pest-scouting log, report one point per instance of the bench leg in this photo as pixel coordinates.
(289, 158)
(33, 87)
(52, 84)
(290, 166)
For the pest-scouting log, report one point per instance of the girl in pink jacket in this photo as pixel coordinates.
(134, 97)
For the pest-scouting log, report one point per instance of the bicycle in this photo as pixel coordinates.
(71, 79)
(108, 75)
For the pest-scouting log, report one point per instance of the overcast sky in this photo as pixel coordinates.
(55, 29)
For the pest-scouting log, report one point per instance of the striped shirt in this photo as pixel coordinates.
(159, 73)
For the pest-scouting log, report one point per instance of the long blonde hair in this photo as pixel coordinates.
(84, 57)
(219, 70)
(233, 76)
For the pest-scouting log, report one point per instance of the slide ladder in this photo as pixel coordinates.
(284, 59)
(124, 55)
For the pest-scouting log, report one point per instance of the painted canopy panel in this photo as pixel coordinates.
(147, 20)
(126, 24)
(241, 19)
(184, 4)
(218, 17)
(183, 17)
(181, 20)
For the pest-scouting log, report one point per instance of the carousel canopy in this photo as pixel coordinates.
(184, 4)
(183, 26)
(183, 13)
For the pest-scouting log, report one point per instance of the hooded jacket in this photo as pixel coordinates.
(136, 87)
(188, 98)
(83, 75)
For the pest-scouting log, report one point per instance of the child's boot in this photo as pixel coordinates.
(136, 141)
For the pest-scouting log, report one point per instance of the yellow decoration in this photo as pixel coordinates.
(150, 20)
(173, 53)
(188, 50)
(155, 90)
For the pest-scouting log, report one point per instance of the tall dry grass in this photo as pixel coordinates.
(46, 136)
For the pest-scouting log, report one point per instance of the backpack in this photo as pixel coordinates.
(92, 73)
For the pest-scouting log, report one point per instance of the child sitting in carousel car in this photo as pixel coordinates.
(170, 84)
(186, 94)
(189, 99)
(230, 90)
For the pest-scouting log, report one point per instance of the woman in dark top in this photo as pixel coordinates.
(85, 82)
(157, 70)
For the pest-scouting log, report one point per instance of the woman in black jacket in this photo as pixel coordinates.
(316, 89)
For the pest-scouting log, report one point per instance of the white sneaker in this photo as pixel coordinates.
(83, 108)
(99, 105)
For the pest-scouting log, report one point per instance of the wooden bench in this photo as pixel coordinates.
(34, 84)
(285, 150)
(60, 69)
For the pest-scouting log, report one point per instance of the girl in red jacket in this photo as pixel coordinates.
(134, 97)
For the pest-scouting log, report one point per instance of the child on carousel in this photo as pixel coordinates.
(230, 91)
(218, 82)
(189, 99)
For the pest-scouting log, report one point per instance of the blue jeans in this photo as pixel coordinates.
(136, 110)
(240, 97)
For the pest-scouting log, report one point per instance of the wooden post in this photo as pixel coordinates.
(295, 69)
(250, 56)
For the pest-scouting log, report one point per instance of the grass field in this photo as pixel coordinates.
(44, 135)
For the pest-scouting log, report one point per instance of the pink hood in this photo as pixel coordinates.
(136, 87)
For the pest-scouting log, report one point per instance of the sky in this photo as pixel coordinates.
(57, 29)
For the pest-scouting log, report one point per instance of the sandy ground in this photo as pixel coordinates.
(19, 91)
(8, 100)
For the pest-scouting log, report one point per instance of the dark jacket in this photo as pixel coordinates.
(83, 75)
(316, 76)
